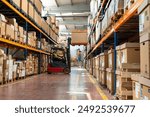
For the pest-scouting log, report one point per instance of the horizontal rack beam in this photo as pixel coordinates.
(22, 46)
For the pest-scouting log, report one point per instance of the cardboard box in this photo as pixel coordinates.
(145, 55)
(17, 2)
(146, 92)
(38, 5)
(30, 10)
(24, 5)
(1, 60)
(104, 60)
(53, 19)
(110, 80)
(98, 30)
(2, 28)
(10, 32)
(130, 53)
(111, 58)
(144, 23)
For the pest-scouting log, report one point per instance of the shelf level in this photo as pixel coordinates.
(22, 46)
(26, 19)
(130, 13)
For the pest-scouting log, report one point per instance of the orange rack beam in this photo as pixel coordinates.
(121, 21)
(22, 46)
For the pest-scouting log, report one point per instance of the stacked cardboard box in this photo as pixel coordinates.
(94, 66)
(103, 66)
(44, 63)
(3, 22)
(128, 63)
(32, 39)
(21, 72)
(24, 6)
(97, 59)
(110, 71)
(12, 28)
(31, 65)
(38, 5)
(21, 35)
(141, 82)
(1, 64)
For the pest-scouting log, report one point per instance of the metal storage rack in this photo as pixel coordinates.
(9, 9)
(128, 24)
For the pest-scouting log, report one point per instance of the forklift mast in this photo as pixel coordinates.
(68, 53)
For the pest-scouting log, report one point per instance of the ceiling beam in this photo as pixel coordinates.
(73, 22)
(77, 8)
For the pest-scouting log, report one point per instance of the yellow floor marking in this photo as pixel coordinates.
(102, 94)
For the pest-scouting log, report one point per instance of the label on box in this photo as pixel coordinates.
(141, 22)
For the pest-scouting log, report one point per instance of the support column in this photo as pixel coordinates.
(115, 59)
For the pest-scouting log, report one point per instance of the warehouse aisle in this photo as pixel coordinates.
(76, 86)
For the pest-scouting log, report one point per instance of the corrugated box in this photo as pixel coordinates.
(118, 64)
(144, 23)
(17, 2)
(111, 11)
(145, 55)
(105, 22)
(111, 58)
(98, 30)
(38, 5)
(53, 19)
(24, 6)
(130, 53)
(31, 10)
(137, 91)
(145, 3)
(146, 92)
(10, 32)
(110, 80)
(104, 60)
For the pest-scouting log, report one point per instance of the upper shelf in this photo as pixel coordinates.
(26, 19)
(128, 14)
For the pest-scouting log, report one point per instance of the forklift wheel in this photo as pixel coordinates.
(66, 70)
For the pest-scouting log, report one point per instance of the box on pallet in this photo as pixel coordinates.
(111, 12)
(145, 54)
(142, 88)
(111, 58)
(105, 22)
(144, 23)
(124, 87)
(37, 18)
(103, 60)
(128, 53)
(110, 80)
(17, 2)
(98, 30)
(24, 6)
(38, 5)
(31, 10)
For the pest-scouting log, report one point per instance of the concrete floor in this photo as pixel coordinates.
(79, 85)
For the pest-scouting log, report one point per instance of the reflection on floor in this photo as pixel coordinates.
(78, 85)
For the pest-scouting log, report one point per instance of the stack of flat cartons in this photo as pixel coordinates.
(32, 39)
(44, 64)
(3, 22)
(110, 71)
(128, 63)
(142, 81)
(13, 34)
(21, 72)
(21, 35)
(103, 66)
